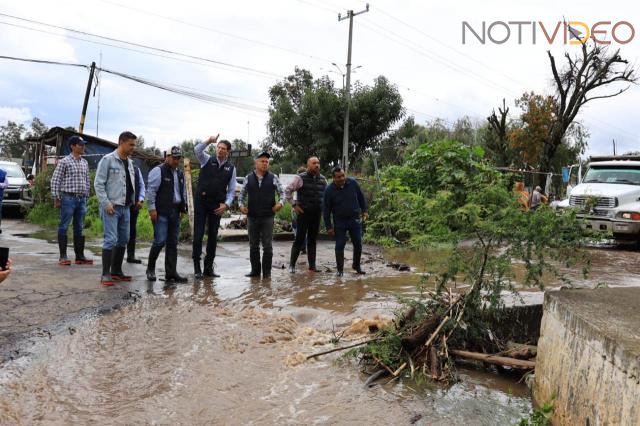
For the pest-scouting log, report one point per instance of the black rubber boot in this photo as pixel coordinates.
(339, 263)
(62, 246)
(197, 271)
(357, 254)
(311, 257)
(116, 265)
(254, 257)
(106, 268)
(295, 252)
(78, 247)
(131, 252)
(266, 265)
(208, 267)
(151, 264)
(171, 266)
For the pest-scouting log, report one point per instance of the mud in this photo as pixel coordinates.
(224, 351)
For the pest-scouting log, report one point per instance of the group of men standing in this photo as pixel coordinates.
(121, 191)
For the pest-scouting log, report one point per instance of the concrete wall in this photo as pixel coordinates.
(589, 356)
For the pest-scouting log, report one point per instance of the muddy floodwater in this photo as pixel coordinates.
(231, 350)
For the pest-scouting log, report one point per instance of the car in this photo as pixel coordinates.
(19, 192)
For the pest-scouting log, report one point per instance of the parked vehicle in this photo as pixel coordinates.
(608, 197)
(18, 193)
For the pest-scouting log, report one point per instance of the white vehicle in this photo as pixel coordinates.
(18, 193)
(608, 196)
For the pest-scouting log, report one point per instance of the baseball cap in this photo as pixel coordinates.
(76, 140)
(263, 154)
(176, 151)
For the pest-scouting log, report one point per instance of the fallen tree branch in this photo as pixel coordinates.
(435, 333)
(498, 360)
(342, 348)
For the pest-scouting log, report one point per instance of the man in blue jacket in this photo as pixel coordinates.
(115, 189)
(344, 201)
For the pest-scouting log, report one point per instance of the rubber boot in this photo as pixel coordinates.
(106, 268)
(78, 247)
(197, 271)
(208, 267)
(62, 246)
(357, 254)
(171, 266)
(116, 265)
(254, 257)
(266, 265)
(295, 252)
(131, 252)
(151, 264)
(311, 257)
(339, 263)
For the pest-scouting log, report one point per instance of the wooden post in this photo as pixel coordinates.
(188, 184)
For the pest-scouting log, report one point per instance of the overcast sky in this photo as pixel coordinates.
(416, 44)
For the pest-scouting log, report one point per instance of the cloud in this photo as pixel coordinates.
(18, 115)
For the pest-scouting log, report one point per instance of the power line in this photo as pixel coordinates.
(188, 92)
(216, 31)
(143, 46)
(130, 49)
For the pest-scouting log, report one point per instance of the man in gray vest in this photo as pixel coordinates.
(166, 202)
(310, 186)
(261, 187)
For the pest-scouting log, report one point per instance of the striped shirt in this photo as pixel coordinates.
(71, 176)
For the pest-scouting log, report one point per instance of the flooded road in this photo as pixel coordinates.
(230, 350)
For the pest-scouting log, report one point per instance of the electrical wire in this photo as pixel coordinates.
(143, 46)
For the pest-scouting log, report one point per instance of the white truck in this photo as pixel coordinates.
(608, 197)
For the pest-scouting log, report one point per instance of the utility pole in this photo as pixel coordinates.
(86, 97)
(614, 146)
(347, 92)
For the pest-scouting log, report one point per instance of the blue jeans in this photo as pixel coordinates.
(72, 206)
(116, 227)
(353, 227)
(166, 229)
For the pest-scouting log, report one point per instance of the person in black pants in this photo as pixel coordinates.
(133, 215)
(214, 195)
(345, 203)
(260, 188)
(310, 186)
(166, 199)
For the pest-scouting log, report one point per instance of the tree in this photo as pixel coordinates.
(11, 142)
(306, 117)
(579, 82)
(496, 141)
(38, 128)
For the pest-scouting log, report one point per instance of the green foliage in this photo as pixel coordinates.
(447, 193)
(539, 417)
(284, 213)
(306, 117)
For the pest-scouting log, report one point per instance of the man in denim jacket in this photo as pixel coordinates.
(115, 189)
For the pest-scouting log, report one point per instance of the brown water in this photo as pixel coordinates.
(230, 351)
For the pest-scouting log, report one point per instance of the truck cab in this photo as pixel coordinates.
(608, 197)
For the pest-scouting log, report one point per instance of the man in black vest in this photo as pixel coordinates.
(310, 186)
(133, 216)
(261, 187)
(166, 201)
(214, 195)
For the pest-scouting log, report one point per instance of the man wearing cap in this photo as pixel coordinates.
(345, 203)
(166, 202)
(70, 191)
(133, 216)
(115, 188)
(310, 186)
(260, 188)
(214, 195)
